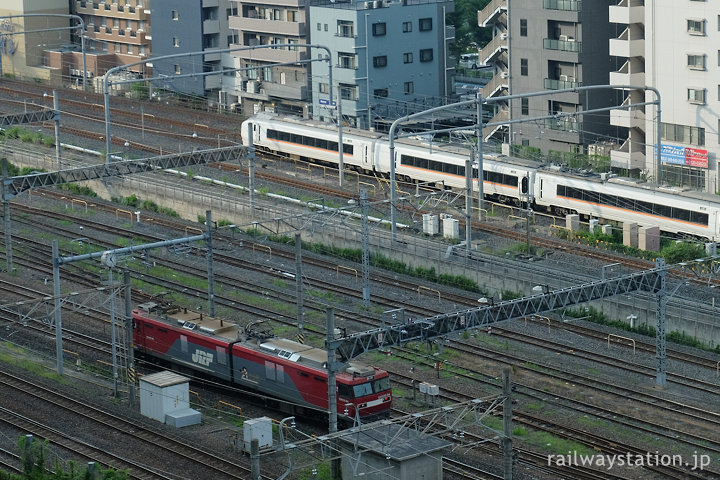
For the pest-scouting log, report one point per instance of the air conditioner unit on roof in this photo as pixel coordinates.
(504, 75)
(563, 38)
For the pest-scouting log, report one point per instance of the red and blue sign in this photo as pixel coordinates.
(688, 156)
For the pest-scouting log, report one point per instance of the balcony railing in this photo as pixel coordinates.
(564, 45)
(553, 84)
(569, 5)
(563, 124)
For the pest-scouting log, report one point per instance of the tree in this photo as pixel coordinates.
(467, 31)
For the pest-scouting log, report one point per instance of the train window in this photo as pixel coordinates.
(303, 374)
(590, 196)
(149, 326)
(663, 211)
(220, 355)
(524, 185)
(269, 370)
(701, 218)
(280, 373)
(344, 390)
(183, 344)
(320, 143)
(348, 149)
(606, 199)
(435, 166)
(681, 214)
(381, 385)
(362, 389)
(319, 379)
(644, 207)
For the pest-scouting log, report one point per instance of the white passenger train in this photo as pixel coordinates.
(505, 179)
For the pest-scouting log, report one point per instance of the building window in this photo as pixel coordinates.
(174, 14)
(178, 71)
(696, 62)
(325, 27)
(176, 42)
(425, 24)
(696, 95)
(682, 134)
(426, 55)
(379, 62)
(292, 16)
(407, 57)
(346, 60)
(409, 88)
(696, 27)
(380, 92)
(345, 29)
(523, 27)
(348, 92)
(319, 26)
(378, 29)
(525, 106)
(324, 87)
(524, 67)
(407, 26)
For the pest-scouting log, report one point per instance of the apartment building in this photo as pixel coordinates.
(671, 45)
(260, 24)
(118, 33)
(541, 45)
(389, 58)
(185, 26)
(23, 54)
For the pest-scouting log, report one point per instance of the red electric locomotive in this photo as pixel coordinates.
(278, 367)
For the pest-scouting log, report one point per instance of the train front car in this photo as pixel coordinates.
(256, 360)
(297, 373)
(364, 391)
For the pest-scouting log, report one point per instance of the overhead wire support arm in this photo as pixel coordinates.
(429, 328)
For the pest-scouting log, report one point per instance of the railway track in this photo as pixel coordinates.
(146, 440)
(475, 353)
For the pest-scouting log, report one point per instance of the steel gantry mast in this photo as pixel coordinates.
(353, 345)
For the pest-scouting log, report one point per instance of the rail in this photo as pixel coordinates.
(619, 337)
(420, 288)
(118, 211)
(83, 202)
(371, 185)
(187, 229)
(269, 249)
(557, 227)
(538, 317)
(239, 409)
(347, 269)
